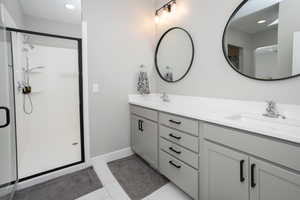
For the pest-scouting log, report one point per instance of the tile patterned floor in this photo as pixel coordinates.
(113, 191)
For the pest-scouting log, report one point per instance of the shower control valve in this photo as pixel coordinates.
(26, 90)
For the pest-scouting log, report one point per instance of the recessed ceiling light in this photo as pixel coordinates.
(261, 21)
(70, 6)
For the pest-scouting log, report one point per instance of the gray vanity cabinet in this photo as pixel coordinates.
(214, 162)
(144, 138)
(272, 183)
(230, 174)
(226, 175)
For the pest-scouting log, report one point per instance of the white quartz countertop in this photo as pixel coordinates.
(223, 112)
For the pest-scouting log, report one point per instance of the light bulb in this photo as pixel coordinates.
(174, 7)
(262, 21)
(156, 19)
(70, 6)
(165, 12)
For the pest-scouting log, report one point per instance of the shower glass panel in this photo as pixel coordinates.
(8, 160)
(47, 82)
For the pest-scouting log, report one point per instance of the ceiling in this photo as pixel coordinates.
(53, 10)
(248, 23)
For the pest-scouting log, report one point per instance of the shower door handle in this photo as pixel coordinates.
(7, 115)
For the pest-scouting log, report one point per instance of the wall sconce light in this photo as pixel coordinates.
(165, 10)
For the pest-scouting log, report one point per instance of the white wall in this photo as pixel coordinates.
(15, 18)
(15, 11)
(265, 38)
(54, 27)
(120, 39)
(211, 76)
(296, 53)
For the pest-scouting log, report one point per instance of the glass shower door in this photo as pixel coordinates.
(8, 172)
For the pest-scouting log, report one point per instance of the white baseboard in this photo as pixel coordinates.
(114, 155)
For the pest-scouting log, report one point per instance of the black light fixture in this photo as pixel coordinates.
(166, 8)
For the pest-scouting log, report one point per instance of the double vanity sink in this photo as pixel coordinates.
(219, 149)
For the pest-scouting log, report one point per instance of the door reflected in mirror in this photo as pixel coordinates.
(174, 54)
(262, 39)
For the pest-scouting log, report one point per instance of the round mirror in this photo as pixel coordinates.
(174, 54)
(262, 39)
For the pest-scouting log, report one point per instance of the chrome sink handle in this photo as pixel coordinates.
(271, 107)
(271, 110)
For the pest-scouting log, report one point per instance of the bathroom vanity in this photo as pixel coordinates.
(219, 149)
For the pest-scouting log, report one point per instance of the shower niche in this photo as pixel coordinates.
(48, 96)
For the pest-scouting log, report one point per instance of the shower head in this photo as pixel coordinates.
(26, 42)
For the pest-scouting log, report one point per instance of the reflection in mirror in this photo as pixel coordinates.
(174, 54)
(262, 39)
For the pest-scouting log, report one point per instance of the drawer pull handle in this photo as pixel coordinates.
(242, 178)
(172, 163)
(173, 136)
(174, 122)
(253, 184)
(175, 151)
(140, 123)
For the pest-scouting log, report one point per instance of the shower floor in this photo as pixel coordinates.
(44, 157)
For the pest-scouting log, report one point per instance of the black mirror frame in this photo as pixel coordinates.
(192, 59)
(227, 59)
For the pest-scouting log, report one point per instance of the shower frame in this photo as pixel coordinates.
(81, 109)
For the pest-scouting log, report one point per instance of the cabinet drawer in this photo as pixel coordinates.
(180, 123)
(143, 112)
(179, 173)
(273, 150)
(180, 138)
(179, 152)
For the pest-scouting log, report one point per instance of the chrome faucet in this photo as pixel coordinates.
(271, 110)
(165, 97)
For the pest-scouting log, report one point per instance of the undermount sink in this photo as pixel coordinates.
(263, 121)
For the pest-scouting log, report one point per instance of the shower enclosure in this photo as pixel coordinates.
(41, 113)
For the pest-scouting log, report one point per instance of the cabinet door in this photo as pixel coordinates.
(226, 174)
(145, 139)
(269, 182)
(135, 134)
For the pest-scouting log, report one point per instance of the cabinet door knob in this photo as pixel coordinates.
(173, 164)
(242, 178)
(253, 184)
